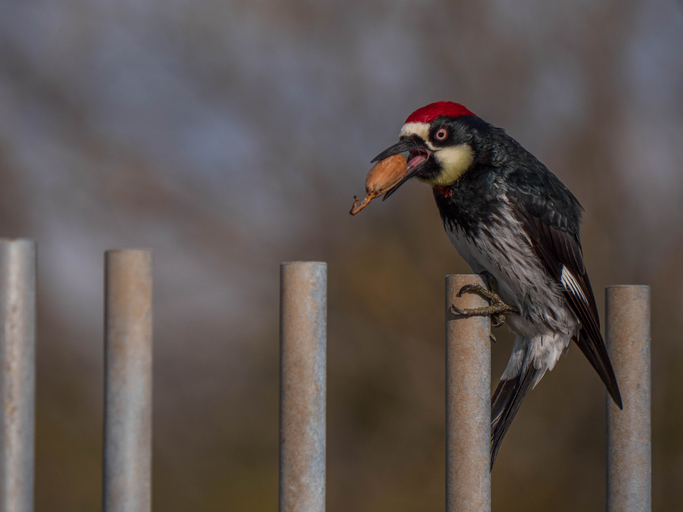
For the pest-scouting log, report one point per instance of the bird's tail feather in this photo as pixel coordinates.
(505, 403)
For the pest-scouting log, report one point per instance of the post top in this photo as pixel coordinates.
(302, 263)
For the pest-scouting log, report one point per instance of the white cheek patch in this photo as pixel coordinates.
(419, 129)
(454, 161)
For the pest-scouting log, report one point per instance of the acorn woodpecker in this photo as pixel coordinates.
(515, 223)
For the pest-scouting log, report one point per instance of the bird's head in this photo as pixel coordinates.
(439, 141)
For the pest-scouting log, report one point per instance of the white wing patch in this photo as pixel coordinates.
(571, 285)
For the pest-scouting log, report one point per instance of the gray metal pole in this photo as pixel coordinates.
(17, 378)
(628, 432)
(128, 381)
(468, 401)
(303, 348)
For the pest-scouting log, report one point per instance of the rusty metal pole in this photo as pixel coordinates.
(303, 348)
(629, 467)
(468, 401)
(128, 381)
(17, 377)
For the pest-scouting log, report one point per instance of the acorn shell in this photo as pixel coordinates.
(385, 175)
(382, 177)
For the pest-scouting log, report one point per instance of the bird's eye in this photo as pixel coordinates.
(441, 134)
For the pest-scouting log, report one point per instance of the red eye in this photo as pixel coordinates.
(441, 134)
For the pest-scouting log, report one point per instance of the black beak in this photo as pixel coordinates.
(413, 143)
(406, 144)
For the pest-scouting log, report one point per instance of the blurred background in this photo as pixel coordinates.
(229, 136)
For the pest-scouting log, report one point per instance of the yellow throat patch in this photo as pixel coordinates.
(454, 162)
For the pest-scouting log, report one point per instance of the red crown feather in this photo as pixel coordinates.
(440, 108)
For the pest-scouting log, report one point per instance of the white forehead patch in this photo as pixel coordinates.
(419, 129)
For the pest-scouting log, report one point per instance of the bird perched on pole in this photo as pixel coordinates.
(515, 223)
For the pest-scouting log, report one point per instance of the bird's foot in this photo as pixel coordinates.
(497, 308)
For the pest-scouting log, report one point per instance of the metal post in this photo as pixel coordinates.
(303, 347)
(628, 431)
(468, 401)
(128, 381)
(17, 378)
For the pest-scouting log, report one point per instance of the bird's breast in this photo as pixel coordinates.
(466, 248)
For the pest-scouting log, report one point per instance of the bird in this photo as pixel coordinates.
(516, 224)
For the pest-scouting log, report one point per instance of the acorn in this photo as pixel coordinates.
(383, 176)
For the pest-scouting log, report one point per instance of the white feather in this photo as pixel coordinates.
(571, 284)
(419, 129)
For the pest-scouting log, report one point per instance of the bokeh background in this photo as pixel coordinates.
(229, 136)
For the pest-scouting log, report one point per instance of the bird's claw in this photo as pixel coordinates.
(497, 319)
(497, 308)
(457, 311)
(479, 290)
(464, 289)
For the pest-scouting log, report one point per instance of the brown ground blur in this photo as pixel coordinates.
(231, 136)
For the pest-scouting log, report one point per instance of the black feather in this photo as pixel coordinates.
(505, 403)
(558, 249)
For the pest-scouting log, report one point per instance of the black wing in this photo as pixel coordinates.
(552, 224)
